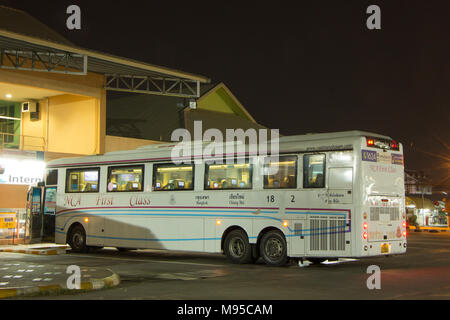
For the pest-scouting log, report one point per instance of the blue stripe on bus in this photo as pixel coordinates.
(127, 213)
(168, 210)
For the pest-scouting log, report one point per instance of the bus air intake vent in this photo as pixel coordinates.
(327, 234)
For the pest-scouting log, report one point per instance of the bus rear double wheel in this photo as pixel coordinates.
(273, 248)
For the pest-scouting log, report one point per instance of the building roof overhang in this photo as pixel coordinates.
(24, 52)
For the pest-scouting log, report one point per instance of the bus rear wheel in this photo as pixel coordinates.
(77, 239)
(237, 248)
(273, 248)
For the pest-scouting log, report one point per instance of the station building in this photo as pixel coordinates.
(60, 100)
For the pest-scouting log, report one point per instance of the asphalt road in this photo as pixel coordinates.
(422, 273)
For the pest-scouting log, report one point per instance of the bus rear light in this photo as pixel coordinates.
(365, 235)
(404, 224)
(381, 143)
(365, 225)
(404, 234)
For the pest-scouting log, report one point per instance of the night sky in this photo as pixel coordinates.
(304, 66)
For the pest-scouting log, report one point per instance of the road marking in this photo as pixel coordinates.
(154, 261)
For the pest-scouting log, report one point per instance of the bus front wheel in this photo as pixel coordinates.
(237, 248)
(273, 248)
(77, 240)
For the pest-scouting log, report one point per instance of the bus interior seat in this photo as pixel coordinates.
(224, 184)
(90, 187)
(132, 185)
(319, 180)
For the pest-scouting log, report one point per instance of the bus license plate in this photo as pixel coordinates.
(385, 248)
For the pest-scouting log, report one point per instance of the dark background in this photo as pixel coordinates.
(304, 66)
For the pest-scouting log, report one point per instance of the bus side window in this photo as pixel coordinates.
(168, 176)
(280, 172)
(82, 180)
(228, 176)
(314, 171)
(125, 178)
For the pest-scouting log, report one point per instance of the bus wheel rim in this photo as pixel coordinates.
(78, 240)
(237, 247)
(274, 248)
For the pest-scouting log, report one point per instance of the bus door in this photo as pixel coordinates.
(42, 209)
(35, 207)
(49, 211)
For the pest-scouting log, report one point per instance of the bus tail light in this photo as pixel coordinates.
(365, 225)
(404, 234)
(365, 235)
(404, 224)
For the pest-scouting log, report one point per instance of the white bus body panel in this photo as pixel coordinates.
(325, 222)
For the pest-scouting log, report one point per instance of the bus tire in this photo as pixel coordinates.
(237, 248)
(273, 248)
(77, 239)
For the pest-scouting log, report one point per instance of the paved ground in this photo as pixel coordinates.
(422, 273)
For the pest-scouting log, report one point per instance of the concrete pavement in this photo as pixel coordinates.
(19, 278)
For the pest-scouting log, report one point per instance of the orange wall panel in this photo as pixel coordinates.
(13, 196)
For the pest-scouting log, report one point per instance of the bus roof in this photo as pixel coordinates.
(161, 151)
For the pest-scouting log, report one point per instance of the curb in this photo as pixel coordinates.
(94, 284)
(48, 252)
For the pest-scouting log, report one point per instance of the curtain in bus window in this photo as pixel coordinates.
(82, 180)
(52, 177)
(314, 171)
(284, 177)
(173, 177)
(228, 176)
(125, 179)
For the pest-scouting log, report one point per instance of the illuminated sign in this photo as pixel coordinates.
(21, 171)
(7, 222)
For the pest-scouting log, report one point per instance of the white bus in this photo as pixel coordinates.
(334, 195)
